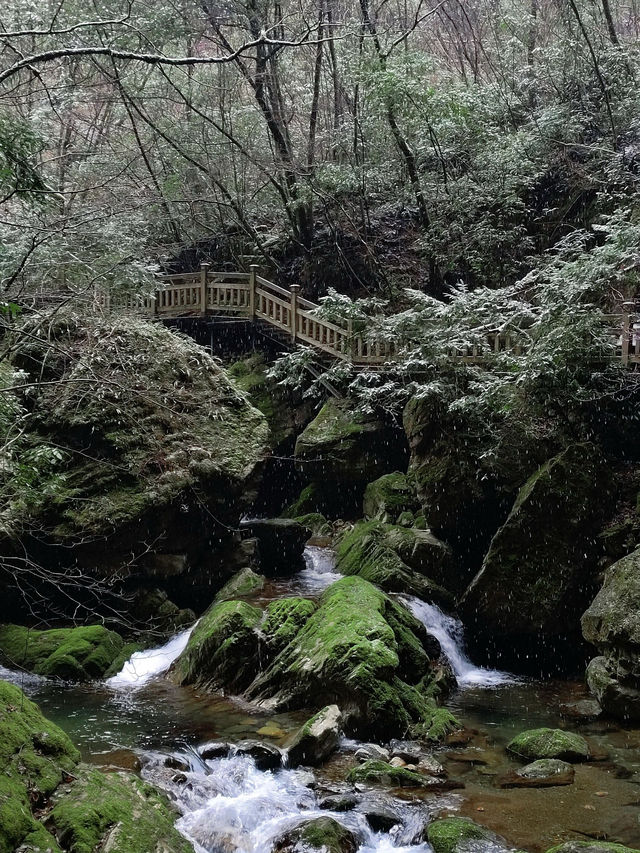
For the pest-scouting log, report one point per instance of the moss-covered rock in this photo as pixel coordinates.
(349, 448)
(223, 648)
(365, 551)
(365, 652)
(282, 621)
(35, 756)
(591, 847)
(154, 610)
(377, 772)
(154, 433)
(244, 583)
(74, 654)
(250, 375)
(550, 743)
(316, 523)
(436, 725)
(389, 496)
(322, 834)
(453, 834)
(541, 562)
(116, 812)
(612, 624)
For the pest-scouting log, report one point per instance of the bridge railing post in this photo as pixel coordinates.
(253, 272)
(204, 272)
(293, 319)
(627, 311)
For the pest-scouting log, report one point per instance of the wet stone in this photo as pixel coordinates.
(175, 763)
(339, 802)
(217, 749)
(265, 756)
(583, 709)
(409, 751)
(372, 750)
(545, 773)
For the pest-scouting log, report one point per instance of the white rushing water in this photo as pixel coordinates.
(319, 572)
(227, 804)
(449, 631)
(143, 666)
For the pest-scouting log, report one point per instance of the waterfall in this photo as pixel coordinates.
(319, 572)
(449, 631)
(143, 666)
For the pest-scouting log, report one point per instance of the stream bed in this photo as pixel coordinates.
(140, 720)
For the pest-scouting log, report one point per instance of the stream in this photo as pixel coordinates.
(139, 720)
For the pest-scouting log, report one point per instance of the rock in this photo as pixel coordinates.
(216, 749)
(612, 624)
(584, 709)
(320, 834)
(174, 762)
(372, 750)
(590, 847)
(544, 773)
(223, 649)
(117, 812)
(317, 739)
(317, 524)
(170, 463)
(348, 448)
(73, 654)
(397, 762)
(550, 743)
(407, 750)
(241, 585)
(380, 816)
(339, 802)
(282, 621)
(383, 773)
(154, 609)
(365, 652)
(441, 725)
(422, 552)
(428, 764)
(281, 544)
(265, 755)
(389, 496)
(456, 834)
(35, 756)
(540, 561)
(365, 551)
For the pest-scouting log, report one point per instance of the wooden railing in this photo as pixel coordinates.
(256, 298)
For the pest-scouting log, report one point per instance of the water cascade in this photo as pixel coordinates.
(143, 666)
(449, 631)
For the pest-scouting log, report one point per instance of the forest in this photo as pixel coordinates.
(320, 426)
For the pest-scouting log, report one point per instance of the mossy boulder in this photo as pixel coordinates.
(612, 624)
(154, 435)
(35, 756)
(153, 610)
(316, 523)
(377, 772)
(73, 654)
(456, 834)
(116, 812)
(550, 743)
(243, 584)
(389, 496)
(364, 652)
(349, 448)
(366, 551)
(250, 376)
(322, 834)
(544, 773)
(282, 621)
(591, 847)
(222, 651)
(541, 562)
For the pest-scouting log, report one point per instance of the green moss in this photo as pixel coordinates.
(320, 834)
(316, 522)
(389, 496)
(365, 551)
(591, 847)
(438, 723)
(550, 743)
(308, 502)
(127, 650)
(115, 811)
(242, 584)
(283, 620)
(75, 654)
(250, 375)
(448, 835)
(35, 755)
(358, 649)
(379, 772)
(223, 648)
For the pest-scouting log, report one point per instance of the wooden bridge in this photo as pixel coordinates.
(251, 296)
